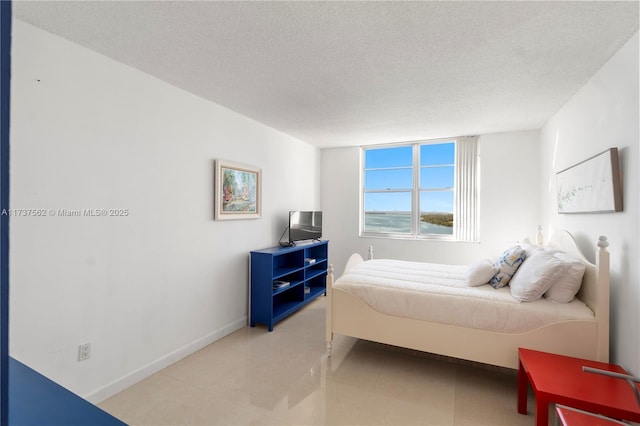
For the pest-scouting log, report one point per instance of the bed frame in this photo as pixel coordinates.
(349, 315)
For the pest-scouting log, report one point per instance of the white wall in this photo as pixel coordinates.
(604, 114)
(509, 204)
(149, 288)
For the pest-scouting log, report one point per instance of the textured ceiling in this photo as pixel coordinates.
(351, 73)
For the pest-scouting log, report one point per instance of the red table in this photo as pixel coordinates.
(560, 379)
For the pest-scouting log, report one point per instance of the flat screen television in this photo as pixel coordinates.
(305, 225)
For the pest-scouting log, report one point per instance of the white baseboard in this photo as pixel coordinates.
(145, 371)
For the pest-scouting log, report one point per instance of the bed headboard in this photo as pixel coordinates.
(595, 284)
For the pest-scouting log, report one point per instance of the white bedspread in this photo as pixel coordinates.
(438, 293)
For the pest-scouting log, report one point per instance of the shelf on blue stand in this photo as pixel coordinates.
(35, 400)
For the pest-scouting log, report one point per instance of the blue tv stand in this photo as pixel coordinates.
(285, 279)
(35, 400)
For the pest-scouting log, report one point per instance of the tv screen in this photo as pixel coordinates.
(305, 226)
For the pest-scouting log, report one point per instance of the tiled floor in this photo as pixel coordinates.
(253, 377)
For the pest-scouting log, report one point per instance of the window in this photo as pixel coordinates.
(422, 190)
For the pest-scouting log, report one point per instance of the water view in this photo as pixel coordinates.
(400, 222)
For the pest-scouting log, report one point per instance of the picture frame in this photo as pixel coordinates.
(238, 191)
(591, 186)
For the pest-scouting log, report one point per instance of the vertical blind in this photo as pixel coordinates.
(466, 206)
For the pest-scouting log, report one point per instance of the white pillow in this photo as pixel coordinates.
(568, 285)
(529, 249)
(535, 276)
(480, 272)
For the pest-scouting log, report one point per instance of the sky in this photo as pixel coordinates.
(436, 172)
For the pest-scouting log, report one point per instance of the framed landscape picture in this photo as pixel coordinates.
(237, 191)
(592, 186)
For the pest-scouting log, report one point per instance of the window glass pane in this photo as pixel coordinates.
(388, 212)
(440, 153)
(436, 212)
(388, 179)
(388, 157)
(436, 177)
(391, 185)
(387, 202)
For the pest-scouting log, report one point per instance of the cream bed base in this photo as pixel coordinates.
(349, 315)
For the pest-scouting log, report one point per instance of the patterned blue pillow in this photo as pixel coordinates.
(507, 265)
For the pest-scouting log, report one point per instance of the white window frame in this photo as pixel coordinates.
(465, 190)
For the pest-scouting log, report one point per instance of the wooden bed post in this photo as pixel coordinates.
(329, 312)
(603, 280)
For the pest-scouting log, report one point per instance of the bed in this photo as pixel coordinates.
(579, 328)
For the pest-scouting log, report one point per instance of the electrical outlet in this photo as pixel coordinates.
(84, 352)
